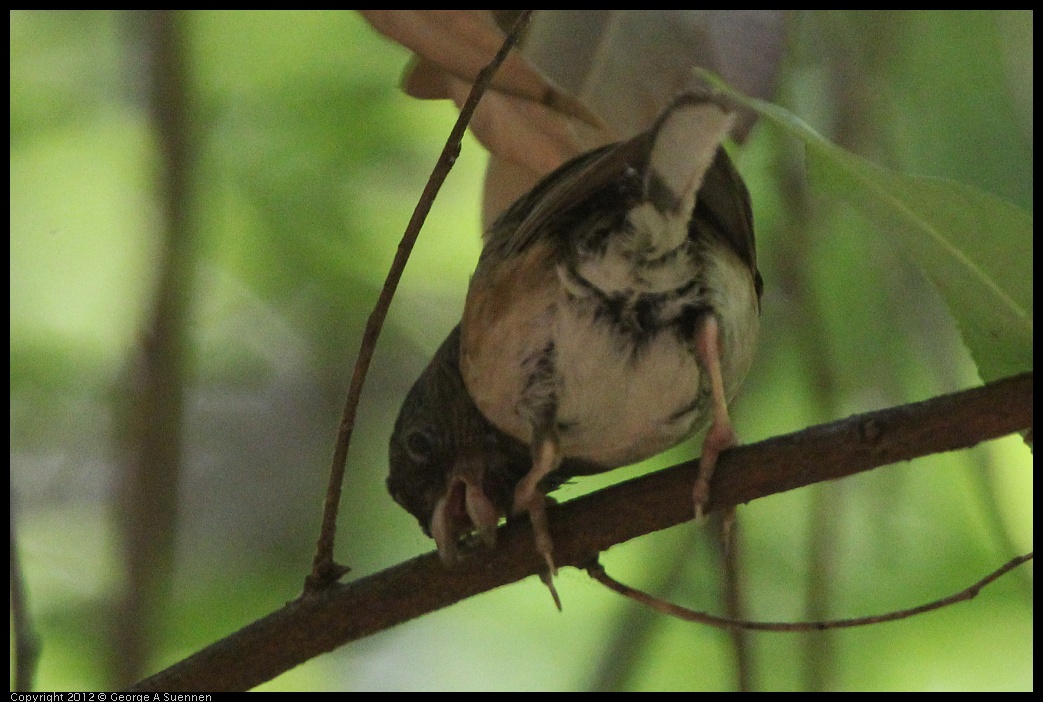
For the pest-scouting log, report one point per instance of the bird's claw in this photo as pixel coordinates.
(527, 498)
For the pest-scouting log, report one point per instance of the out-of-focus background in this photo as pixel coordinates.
(305, 166)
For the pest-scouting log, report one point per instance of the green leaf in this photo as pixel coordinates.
(976, 248)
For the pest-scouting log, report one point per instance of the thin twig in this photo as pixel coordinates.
(597, 572)
(324, 570)
(587, 525)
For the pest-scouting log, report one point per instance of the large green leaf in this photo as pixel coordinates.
(976, 248)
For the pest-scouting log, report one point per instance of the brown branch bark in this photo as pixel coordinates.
(326, 619)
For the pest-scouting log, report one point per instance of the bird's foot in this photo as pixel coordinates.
(722, 434)
(720, 437)
(528, 498)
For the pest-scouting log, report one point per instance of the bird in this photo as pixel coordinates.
(613, 313)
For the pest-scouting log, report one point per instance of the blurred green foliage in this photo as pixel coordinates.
(975, 248)
(311, 163)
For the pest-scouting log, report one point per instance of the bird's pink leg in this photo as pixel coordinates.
(528, 498)
(722, 434)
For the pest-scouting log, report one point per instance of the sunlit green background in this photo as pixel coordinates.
(311, 163)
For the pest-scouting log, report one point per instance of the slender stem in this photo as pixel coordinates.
(968, 593)
(324, 570)
(150, 427)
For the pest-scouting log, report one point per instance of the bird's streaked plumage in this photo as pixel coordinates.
(613, 313)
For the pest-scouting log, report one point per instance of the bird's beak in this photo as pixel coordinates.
(443, 527)
(464, 507)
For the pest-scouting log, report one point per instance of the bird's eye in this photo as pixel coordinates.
(420, 445)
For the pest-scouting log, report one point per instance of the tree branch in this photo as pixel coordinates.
(323, 620)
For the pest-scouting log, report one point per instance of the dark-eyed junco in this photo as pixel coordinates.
(613, 313)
